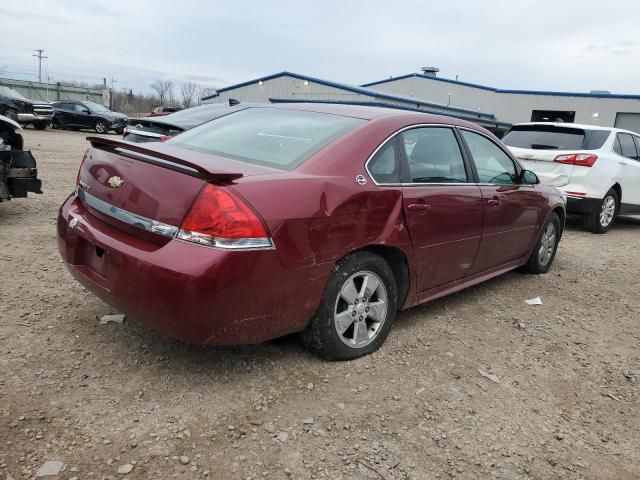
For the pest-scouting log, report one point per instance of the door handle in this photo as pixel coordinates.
(493, 202)
(419, 208)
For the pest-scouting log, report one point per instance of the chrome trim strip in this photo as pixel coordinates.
(133, 219)
(171, 232)
(143, 133)
(422, 125)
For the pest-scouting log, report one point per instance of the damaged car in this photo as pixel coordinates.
(314, 218)
(18, 172)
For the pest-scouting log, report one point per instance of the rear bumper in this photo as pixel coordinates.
(582, 204)
(193, 293)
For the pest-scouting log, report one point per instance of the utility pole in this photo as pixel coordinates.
(40, 56)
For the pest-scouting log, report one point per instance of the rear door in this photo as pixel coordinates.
(443, 208)
(511, 210)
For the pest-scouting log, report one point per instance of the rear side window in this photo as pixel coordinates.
(545, 137)
(627, 146)
(274, 137)
(433, 155)
(492, 163)
(384, 167)
(595, 139)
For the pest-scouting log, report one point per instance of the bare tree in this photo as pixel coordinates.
(188, 91)
(164, 89)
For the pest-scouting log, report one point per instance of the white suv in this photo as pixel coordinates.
(598, 168)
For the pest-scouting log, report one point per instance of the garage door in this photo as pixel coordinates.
(628, 121)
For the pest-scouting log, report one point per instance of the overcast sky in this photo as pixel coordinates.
(524, 44)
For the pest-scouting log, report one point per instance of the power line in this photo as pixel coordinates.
(39, 56)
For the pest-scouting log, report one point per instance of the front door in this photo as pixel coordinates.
(443, 208)
(511, 209)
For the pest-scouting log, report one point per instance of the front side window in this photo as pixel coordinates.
(492, 163)
(627, 146)
(433, 155)
(279, 138)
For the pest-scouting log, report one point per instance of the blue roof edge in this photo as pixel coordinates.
(488, 121)
(351, 88)
(510, 91)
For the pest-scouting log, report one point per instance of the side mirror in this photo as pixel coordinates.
(529, 178)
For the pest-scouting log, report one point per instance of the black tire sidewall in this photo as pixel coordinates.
(534, 266)
(592, 220)
(321, 334)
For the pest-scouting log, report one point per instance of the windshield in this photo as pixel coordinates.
(274, 137)
(544, 137)
(11, 93)
(95, 107)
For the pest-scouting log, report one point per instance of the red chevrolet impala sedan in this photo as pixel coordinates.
(321, 219)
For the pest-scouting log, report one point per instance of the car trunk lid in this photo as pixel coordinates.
(538, 145)
(542, 163)
(147, 191)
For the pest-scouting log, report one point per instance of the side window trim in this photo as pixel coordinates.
(636, 140)
(516, 165)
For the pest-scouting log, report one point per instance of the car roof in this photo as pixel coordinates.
(375, 113)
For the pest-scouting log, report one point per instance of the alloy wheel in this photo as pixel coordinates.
(608, 211)
(547, 244)
(360, 309)
(100, 127)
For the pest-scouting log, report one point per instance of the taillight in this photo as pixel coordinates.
(580, 159)
(219, 218)
(164, 138)
(84, 157)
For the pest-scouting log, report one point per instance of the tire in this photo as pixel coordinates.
(55, 123)
(546, 247)
(101, 126)
(601, 220)
(373, 310)
(40, 125)
(11, 115)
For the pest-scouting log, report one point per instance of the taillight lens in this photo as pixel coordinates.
(580, 159)
(164, 138)
(219, 218)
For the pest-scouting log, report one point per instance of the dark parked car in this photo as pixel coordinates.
(77, 115)
(160, 111)
(158, 129)
(20, 109)
(18, 172)
(325, 219)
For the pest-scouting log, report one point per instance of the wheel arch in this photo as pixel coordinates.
(397, 260)
(618, 189)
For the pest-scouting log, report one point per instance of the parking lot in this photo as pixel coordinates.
(558, 399)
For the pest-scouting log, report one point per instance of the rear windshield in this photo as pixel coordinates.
(268, 136)
(201, 114)
(551, 137)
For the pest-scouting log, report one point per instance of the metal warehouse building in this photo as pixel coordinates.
(292, 87)
(516, 106)
(490, 107)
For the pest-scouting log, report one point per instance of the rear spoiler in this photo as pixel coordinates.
(160, 159)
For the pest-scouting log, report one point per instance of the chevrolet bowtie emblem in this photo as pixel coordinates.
(115, 182)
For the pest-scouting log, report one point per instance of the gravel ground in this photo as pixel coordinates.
(116, 400)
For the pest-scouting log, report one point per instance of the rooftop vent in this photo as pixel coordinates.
(430, 71)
